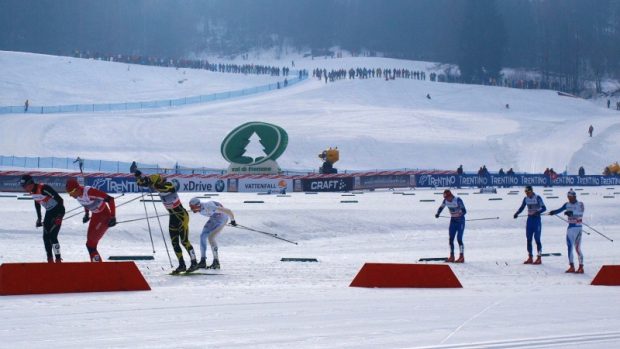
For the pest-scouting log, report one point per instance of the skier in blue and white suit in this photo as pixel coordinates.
(457, 223)
(218, 217)
(533, 227)
(574, 211)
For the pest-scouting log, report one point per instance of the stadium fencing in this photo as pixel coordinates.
(164, 103)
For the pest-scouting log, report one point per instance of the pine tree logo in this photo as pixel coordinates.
(254, 143)
(255, 149)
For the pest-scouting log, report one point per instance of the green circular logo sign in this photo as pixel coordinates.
(254, 143)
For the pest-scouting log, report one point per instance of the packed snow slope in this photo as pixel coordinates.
(376, 124)
(257, 301)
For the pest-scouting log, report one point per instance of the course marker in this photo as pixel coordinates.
(131, 258)
(299, 260)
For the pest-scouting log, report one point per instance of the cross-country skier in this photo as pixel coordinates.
(178, 225)
(103, 216)
(533, 227)
(46, 196)
(218, 216)
(574, 211)
(457, 223)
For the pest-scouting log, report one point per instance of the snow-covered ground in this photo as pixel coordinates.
(259, 302)
(376, 124)
(256, 301)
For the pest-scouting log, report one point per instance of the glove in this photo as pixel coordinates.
(38, 223)
(437, 215)
(568, 213)
(515, 216)
(58, 221)
(143, 181)
(233, 223)
(138, 173)
(112, 222)
(86, 218)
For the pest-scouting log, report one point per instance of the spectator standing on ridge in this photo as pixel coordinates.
(44, 195)
(178, 225)
(574, 211)
(590, 130)
(457, 223)
(80, 162)
(218, 217)
(582, 171)
(533, 227)
(608, 103)
(26, 104)
(104, 214)
(133, 167)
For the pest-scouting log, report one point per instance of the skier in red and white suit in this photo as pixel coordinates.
(104, 213)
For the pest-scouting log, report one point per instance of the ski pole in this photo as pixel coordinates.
(128, 201)
(275, 236)
(598, 232)
(569, 222)
(474, 219)
(140, 219)
(148, 224)
(162, 230)
(76, 208)
(73, 209)
(481, 219)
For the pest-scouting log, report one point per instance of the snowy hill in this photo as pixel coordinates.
(375, 123)
(257, 301)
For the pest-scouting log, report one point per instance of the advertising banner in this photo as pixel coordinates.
(128, 184)
(114, 184)
(384, 181)
(328, 184)
(11, 183)
(431, 180)
(199, 184)
(264, 185)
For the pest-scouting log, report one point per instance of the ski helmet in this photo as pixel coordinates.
(72, 185)
(528, 188)
(25, 180)
(571, 192)
(194, 202)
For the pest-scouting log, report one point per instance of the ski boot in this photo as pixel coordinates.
(450, 259)
(571, 269)
(180, 268)
(50, 259)
(214, 265)
(203, 263)
(461, 259)
(58, 259)
(192, 267)
(580, 269)
(538, 260)
(528, 260)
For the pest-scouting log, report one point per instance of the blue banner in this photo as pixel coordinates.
(494, 180)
